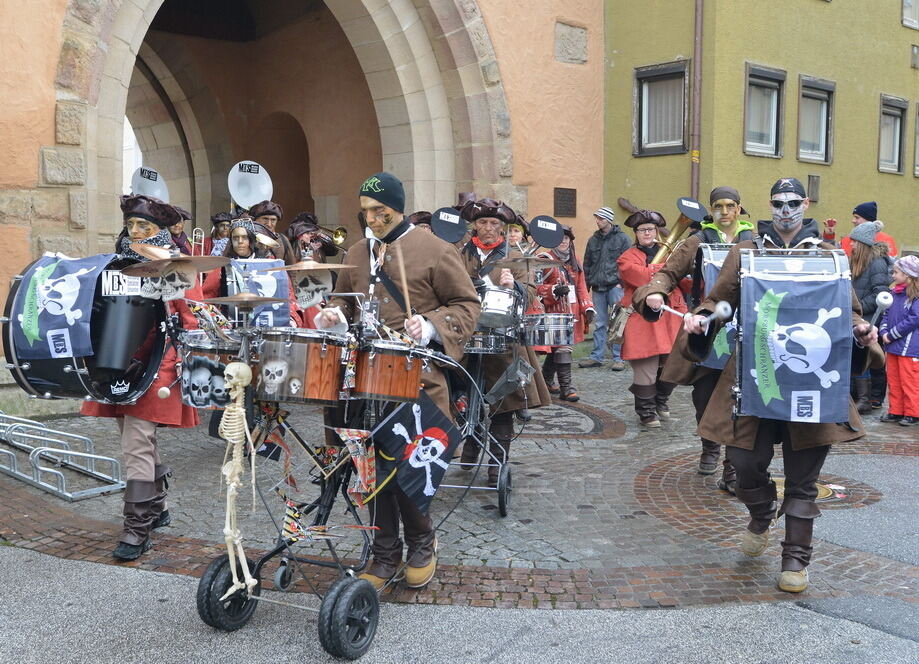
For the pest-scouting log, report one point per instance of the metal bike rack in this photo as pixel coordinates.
(50, 445)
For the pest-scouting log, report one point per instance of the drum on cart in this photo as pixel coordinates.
(501, 307)
(301, 366)
(388, 371)
(204, 359)
(485, 341)
(126, 336)
(548, 329)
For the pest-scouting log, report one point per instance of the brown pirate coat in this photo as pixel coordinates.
(438, 289)
(536, 392)
(717, 424)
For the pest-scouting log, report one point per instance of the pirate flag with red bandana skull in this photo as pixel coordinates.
(420, 440)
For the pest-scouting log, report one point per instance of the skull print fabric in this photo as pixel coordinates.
(796, 348)
(250, 276)
(53, 306)
(203, 382)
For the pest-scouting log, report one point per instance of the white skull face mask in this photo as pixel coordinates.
(174, 284)
(787, 218)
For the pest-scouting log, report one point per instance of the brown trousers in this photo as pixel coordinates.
(138, 448)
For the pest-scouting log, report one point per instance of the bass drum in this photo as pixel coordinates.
(128, 338)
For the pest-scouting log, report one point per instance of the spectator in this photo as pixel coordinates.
(604, 248)
(867, 212)
(901, 342)
(871, 276)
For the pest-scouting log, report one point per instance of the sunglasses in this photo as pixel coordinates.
(794, 205)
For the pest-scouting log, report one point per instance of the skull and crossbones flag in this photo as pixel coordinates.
(250, 276)
(796, 347)
(421, 440)
(52, 309)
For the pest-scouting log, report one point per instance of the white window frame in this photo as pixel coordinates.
(824, 90)
(910, 13)
(893, 107)
(678, 70)
(916, 146)
(764, 77)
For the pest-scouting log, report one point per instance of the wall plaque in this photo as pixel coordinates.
(566, 202)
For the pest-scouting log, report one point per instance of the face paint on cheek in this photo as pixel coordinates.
(786, 218)
(717, 216)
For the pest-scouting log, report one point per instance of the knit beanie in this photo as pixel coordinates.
(866, 232)
(867, 211)
(385, 188)
(908, 265)
(606, 213)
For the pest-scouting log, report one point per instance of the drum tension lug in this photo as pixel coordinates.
(4, 320)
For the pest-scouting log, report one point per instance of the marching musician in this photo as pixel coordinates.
(518, 234)
(564, 291)
(267, 214)
(646, 345)
(216, 242)
(147, 220)
(309, 242)
(751, 440)
(421, 219)
(486, 247)
(726, 227)
(179, 238)
(445, 310)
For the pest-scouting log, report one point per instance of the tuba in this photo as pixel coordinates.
(691, 212)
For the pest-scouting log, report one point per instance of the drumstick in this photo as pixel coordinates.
(408, 301)
(884, 301)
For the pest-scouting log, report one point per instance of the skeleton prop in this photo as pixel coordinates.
(235, 431)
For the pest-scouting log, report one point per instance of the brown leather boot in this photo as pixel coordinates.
(663, 390)
(470, 453)
(728, 481)
(708, 461)
(161, 473)
(139, 517)
(797, 546)
(563, 367)
(646, 405)
(862, 389)
(548, 373)
(761, 504)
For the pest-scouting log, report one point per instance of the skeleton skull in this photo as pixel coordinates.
(199, 387)
(57, 296)
(219, 394)
(805, 347)
(310, 289)
(273, 374)
(151, 287)
(175, 283)
(295, 385)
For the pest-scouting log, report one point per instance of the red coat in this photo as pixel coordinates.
(170, 411)
(575, 280)
(643, 339)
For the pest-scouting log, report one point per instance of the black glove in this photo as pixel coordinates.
(589, 317)
(560, 291)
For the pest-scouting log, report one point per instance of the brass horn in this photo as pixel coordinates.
(338, 236)
(691, 211)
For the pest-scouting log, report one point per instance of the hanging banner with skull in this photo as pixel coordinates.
(796, 348)
(250, 276)
(421, 440)
(54, 305)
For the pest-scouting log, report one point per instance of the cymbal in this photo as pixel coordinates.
(310, 266)
(159, 267)
(150, 251)
(528, 261)
(267, 241)
(244, 300)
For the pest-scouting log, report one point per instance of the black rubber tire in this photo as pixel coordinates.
(504, 489)
(283, 577)
(326, 608)
(232, 613)
(354, 620)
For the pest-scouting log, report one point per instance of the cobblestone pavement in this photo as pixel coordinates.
(603, 515)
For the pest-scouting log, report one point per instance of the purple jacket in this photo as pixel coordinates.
(901, 322)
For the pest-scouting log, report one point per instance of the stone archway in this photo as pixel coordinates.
(429, 65)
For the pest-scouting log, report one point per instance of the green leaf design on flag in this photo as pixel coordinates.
(30, 307)
(720, 345)
(768, 308)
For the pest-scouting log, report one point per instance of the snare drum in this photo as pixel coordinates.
(203, 362)
(300, 366)
(485, 342)
(548, 329)
(126, 334)
(501, 307)
(388, 371)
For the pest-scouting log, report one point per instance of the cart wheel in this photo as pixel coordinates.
(352, 622)
(326, 609)
(233, 612)
(284, 576)
(504, 489)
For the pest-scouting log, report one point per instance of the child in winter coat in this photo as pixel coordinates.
(900, 335)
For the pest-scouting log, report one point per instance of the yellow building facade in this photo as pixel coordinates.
(826, 92)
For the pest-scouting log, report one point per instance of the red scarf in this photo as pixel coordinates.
(486, 247)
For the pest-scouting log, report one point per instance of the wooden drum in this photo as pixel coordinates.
(300, 366)
(387, 371)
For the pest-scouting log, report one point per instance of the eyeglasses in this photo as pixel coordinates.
(653, 229)
(794, 204)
